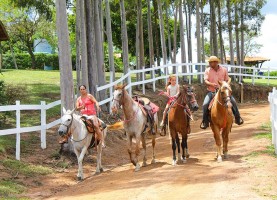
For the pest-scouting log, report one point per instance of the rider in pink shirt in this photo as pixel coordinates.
(212, 75)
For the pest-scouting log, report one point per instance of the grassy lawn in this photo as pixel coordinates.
(264, 82)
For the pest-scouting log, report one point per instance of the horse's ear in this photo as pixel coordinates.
(124, 85)
(185, 87)
(64, 110)
(220, 83)
(229, 81)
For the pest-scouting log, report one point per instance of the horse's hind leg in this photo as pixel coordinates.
(144, 150)
(129, 144)
(99, 168)
(153, 149)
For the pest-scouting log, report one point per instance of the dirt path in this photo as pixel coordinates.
(242, 176)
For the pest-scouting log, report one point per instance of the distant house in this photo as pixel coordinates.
(42, 46)
(251, 61)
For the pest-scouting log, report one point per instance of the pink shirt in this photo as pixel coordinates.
(89, 106)
(214, 76)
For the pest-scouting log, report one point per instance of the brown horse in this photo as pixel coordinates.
(221, 117)
(178, 121)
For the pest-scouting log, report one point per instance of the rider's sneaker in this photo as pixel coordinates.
(63, 140)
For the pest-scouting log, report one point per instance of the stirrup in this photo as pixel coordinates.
(203, 125)
(240, 122)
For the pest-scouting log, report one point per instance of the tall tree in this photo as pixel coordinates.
(221, 43)
(109, 37)
(213, 33)
(230, 33)
(176, 10)
(182, 39)
(150, 34)
(78, 42)
(66, 78)
(198, 39)
(168, 30)
(237, 30)
(124, 36)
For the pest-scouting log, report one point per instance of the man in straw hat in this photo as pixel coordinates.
(213, 74)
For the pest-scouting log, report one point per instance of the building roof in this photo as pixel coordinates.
(251, 59)
(3, 33)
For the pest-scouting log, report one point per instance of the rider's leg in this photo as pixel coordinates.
(164, 114)
(205, 121)
(98, 133)
(238, 119)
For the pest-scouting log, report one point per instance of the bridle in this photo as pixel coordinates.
(225, 99)
(68, 134)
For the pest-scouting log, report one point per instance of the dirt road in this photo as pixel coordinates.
(244, 175)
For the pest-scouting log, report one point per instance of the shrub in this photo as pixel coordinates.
(15, 92)
(23, 61)
(3, 99)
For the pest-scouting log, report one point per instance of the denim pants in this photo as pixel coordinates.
(207, 101)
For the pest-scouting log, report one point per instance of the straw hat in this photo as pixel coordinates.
(213, 59)
(146, 100)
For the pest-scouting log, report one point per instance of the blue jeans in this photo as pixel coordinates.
(208, 99)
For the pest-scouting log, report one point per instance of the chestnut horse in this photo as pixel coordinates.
(135, 124)
(221, 117)
(178, 121)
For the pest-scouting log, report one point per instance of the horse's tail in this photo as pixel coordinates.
(116, 126)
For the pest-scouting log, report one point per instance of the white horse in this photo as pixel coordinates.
(134, 125)
(72, 125)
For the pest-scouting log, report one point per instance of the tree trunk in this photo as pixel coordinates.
(156, 34)
(160, 11)
(175, 35)
(230, 32)
(92, 71)
(202, 33)
(198, 38)
(124, 37)
(213, 28)
(242, 36)
(77, 40)
(182, 40)
(168, 32)
(14, 60)
(66, 78)
(221, 43)
(84, 53)
(150, 35)
(30, 51)
(99, 51)
(109, 38)
(237, 34)
(187, 6)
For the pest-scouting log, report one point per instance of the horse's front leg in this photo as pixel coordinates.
(99, 168)
(225, 139)
(179, 161)
(137, 152)
(143, 138)
(80, 157)
(216, 132)
(184, 147)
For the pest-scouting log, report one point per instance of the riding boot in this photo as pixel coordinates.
(238, 119)
(205, 122)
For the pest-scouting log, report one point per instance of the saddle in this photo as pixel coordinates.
(90, 126)
(148, 108)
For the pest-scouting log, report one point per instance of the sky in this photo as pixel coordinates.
(268, 36)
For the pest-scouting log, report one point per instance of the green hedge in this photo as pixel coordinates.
(23, 61)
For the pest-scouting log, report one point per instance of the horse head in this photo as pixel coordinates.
(225, 93)
(118, 97)
(190, 97)
(66, 122)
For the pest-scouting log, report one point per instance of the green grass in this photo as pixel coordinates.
(8, 188)
(6, 142)
(263, 82)
(26, 169)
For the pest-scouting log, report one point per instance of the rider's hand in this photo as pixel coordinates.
(98, 109)
(215, 85)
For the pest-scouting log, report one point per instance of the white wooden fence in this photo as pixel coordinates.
(43, 107)
(272, 98)
(125, 78)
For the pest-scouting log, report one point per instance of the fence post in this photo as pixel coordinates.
(111, 90)
(17, 154)
(253, 77)
(268, 73)
(130, 82)
(43, 125)
(143, 79)
(273, 111)
(154, 77)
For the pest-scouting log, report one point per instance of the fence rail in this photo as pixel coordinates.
(272, 98)
(43, 107)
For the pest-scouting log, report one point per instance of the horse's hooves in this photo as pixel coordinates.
(137, 168)
(153, 161)
(79, 178)
(187, 156)
(219, 159)
(97, 173)
(226, 156)
(184, 160)
(101, 169)
(174, 162)
(144, 164)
